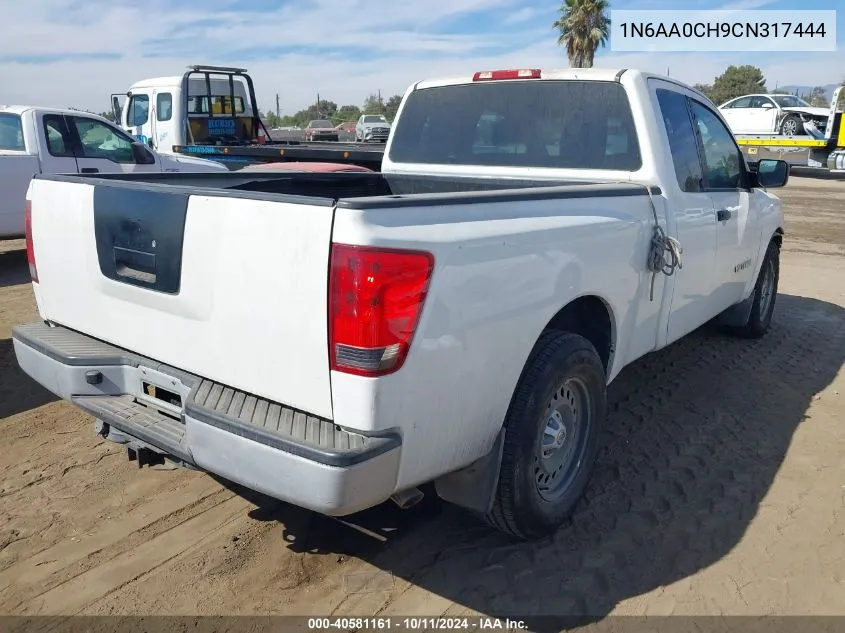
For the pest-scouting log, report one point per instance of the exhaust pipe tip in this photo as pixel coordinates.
(407, 499)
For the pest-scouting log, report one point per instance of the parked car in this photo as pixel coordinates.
(772, 114)
(372, 128)
(321, 130)
(335, 340)
(55, 141)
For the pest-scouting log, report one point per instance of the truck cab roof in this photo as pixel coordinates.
(589, 74)
(23, 109)
(174, 81)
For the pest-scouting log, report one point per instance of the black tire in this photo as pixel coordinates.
(791, 125)
(561, 365)
(764, 297)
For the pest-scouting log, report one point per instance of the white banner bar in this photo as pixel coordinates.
(722, 31)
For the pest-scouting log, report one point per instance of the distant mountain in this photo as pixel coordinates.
(804, 91)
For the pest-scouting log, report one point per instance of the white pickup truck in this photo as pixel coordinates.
(337, 340)
(53, 141)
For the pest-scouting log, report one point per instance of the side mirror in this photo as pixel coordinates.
(767, 105)
(772, 173)
(142, 155)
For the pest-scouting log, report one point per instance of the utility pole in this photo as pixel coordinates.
(278, 111)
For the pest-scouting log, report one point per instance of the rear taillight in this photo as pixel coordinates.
(30, 249)
(376, 297)
(493, 75)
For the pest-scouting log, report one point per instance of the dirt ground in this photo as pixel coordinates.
(720, 491)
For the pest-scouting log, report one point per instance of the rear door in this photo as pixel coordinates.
(102, 148)
(232, 289)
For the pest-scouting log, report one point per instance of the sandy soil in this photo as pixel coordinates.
(720, 491)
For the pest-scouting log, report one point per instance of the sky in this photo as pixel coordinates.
(75, 53)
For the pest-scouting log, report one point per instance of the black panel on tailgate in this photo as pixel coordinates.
(139, 236)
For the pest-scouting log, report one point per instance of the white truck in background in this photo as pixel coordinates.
(335, 340)
(61, 141)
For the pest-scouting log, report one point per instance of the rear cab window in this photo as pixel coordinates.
(571, 124)
(11, 132)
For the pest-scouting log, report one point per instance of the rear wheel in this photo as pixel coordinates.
(552, 436)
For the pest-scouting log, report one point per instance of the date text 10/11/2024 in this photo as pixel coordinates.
(417, 623)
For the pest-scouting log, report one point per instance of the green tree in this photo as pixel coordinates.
(348, 113)
(735, 82)
(108, 115)
(322, 110)
(583, 26)
(705, 89)
(392, 107)
(373, 105)
(818, 97)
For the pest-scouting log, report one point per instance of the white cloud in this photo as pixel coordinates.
(522, 15)
(400, 41)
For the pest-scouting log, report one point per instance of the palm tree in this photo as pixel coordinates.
(583, 26)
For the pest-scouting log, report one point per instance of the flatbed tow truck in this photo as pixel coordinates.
(212, 112)
(819, 155)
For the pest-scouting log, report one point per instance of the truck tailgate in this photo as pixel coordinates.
(227, 286)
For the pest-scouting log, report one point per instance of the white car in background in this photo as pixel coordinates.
(772, 114)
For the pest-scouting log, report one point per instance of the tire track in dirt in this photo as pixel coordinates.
(75, 594)
(36, 572)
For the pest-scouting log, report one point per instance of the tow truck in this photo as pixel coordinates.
(820, 154)
(212, 112)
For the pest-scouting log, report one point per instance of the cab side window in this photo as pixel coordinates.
(723, 161)
(139, 110)
(99, 140)
(682, 142)
(58, 138)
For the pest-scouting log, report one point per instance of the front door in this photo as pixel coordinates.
(102, 148)
(726, 182)
(693, 213)
(138, 121)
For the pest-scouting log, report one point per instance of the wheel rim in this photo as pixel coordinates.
(561, 444)
(790, 127)
(767, 289)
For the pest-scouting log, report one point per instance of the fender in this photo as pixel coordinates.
(739, 313)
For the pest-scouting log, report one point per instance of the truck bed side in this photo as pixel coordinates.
(504, 270)
(15, 171)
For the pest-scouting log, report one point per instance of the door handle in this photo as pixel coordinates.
(89, 170)
(723, 214)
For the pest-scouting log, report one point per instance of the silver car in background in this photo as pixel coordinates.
(372, 128)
